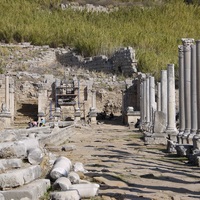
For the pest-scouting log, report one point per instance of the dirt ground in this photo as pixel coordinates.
(116, 158)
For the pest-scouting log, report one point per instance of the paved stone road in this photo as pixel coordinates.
(126, 169)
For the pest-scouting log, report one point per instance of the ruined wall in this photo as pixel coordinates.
(123, 61)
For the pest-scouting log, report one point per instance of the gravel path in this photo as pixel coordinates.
(126, 169)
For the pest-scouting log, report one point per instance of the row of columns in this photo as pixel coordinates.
(165, 103)
(189, 97)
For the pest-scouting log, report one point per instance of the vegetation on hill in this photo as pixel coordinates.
(154, 31)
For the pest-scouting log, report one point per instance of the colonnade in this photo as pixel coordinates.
(164, 112)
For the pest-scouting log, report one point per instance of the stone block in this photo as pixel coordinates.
(61, 184)
(159, 122)
(31, 191)
(183, 149)
(66, 195)
(19, 177)
(86, 190)
(10, 163)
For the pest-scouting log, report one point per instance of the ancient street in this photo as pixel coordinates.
(117, 159)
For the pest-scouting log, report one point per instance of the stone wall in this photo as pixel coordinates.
(123, 61)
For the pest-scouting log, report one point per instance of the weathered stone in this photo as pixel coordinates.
(19, 177)
(183, 149)
(86, 190)
(159, 122)
(74, 177)
(10, 163)
(35, 156)
(31, 191)
(65, 195)
(61, 168)
(61, 184)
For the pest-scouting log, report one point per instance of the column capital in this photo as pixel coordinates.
(187, 41)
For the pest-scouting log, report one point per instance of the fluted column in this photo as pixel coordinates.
(196, 138)
(187, 87)
(171, 116)
(181, 95)
(193, 95)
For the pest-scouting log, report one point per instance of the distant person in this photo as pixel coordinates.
(42, 122)
(34, 123)
(30, 124)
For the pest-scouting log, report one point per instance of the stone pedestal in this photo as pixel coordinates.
(77, 115)
(92, 116)
(131, 116)
(57, 115)
(5, 120)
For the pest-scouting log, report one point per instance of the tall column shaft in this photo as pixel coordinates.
(158, 96)
(152, 97)
(196, 138)
(181, 92)
(193, 91)
(187, 85)
(147, 102)
(198, 84)
(141, 103)
(164, 92)
(7, 93)
(144, 100)
(171, 99)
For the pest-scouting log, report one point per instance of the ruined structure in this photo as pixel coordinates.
(6, 101)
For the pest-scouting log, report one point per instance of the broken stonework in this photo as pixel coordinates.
(66, 195)
(159, 122)
(61, 184)
(32, 191)
(74, 177)
(19, 177)
(86, 190)
(35, 156)
(61, 168)
(10, 163)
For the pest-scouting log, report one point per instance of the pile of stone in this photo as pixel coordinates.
(67, 183)
(25, 162)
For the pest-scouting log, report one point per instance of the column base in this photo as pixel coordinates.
(155, 138)
(196, 142)
(179, 137)
(185, 137)
(172, 134)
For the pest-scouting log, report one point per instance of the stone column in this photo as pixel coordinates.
(193, 95)
(144, 101)
(187, 87)
(171, 116)
(164, 92)
(92, 113)
(196, 138)
(12, 103)
(147, 104)
(158, 96)
(141, 103)
(7, 99)
(151, 98)
(181, 95)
